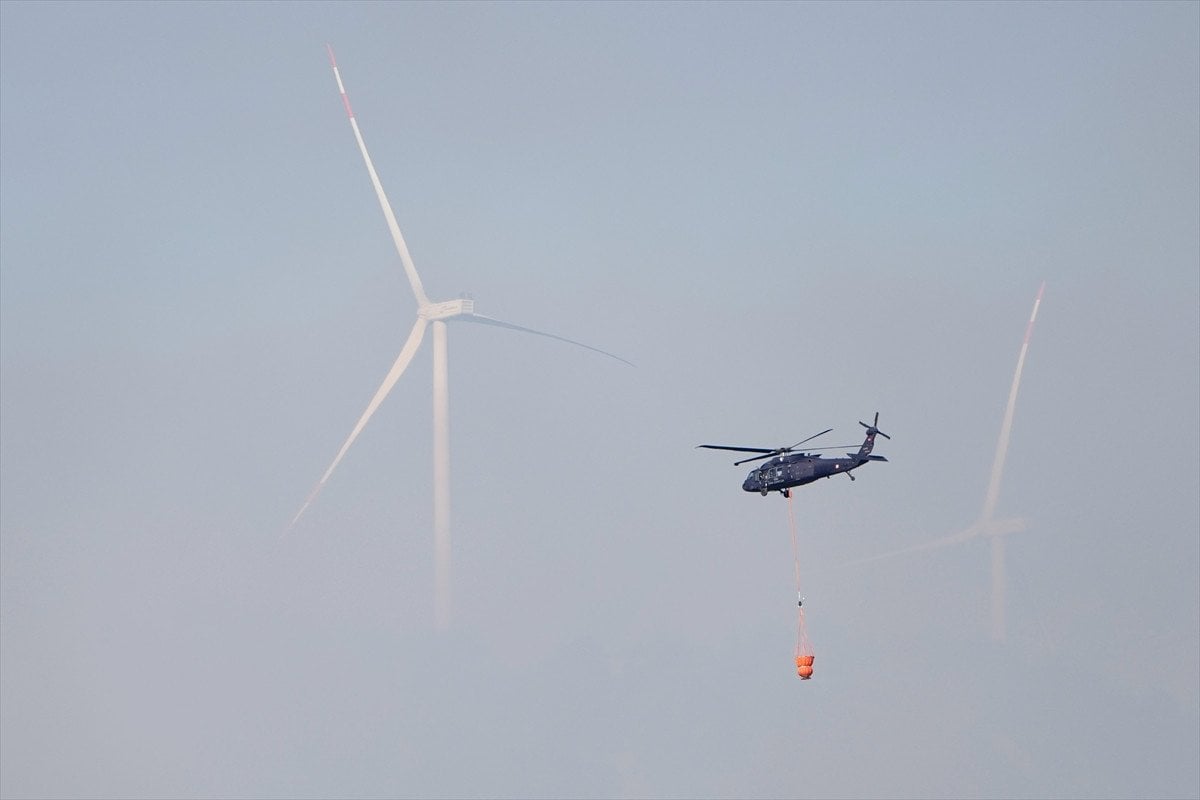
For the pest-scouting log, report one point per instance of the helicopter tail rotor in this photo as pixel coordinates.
(872, 429)
(864, 452)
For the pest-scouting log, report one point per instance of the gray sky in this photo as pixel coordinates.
(789, 216)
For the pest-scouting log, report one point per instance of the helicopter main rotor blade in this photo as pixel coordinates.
(485, 320)
(782, 451)
(402, 361)
(756, 458)
(802, 441)
(397, 238)
(831, 447)
(770, 450)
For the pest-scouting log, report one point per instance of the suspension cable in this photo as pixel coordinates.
(804, 653)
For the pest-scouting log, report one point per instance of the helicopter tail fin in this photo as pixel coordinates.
(864, 452)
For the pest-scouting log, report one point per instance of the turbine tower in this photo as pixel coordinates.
(435, 314)
(987, 526)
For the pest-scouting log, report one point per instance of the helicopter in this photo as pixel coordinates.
(788, 467)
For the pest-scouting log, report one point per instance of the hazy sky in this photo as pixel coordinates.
(790, 216)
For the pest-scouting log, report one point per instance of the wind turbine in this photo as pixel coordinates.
(435, 315)
(987, 526)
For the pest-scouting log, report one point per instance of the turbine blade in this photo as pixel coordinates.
(993, 490)
(480, 318)
(397, 238)
(402, 361)
(945, 541)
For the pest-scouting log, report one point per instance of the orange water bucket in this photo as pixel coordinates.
(804, 667)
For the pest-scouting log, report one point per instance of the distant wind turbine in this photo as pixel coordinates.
(428, 313)
(987, 525)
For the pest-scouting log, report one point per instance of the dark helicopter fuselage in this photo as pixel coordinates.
(787, 467)
(796, 469)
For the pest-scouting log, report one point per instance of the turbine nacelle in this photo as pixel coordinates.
(1001, 527)
(446, 309)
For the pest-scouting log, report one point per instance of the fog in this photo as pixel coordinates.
(788, 216)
